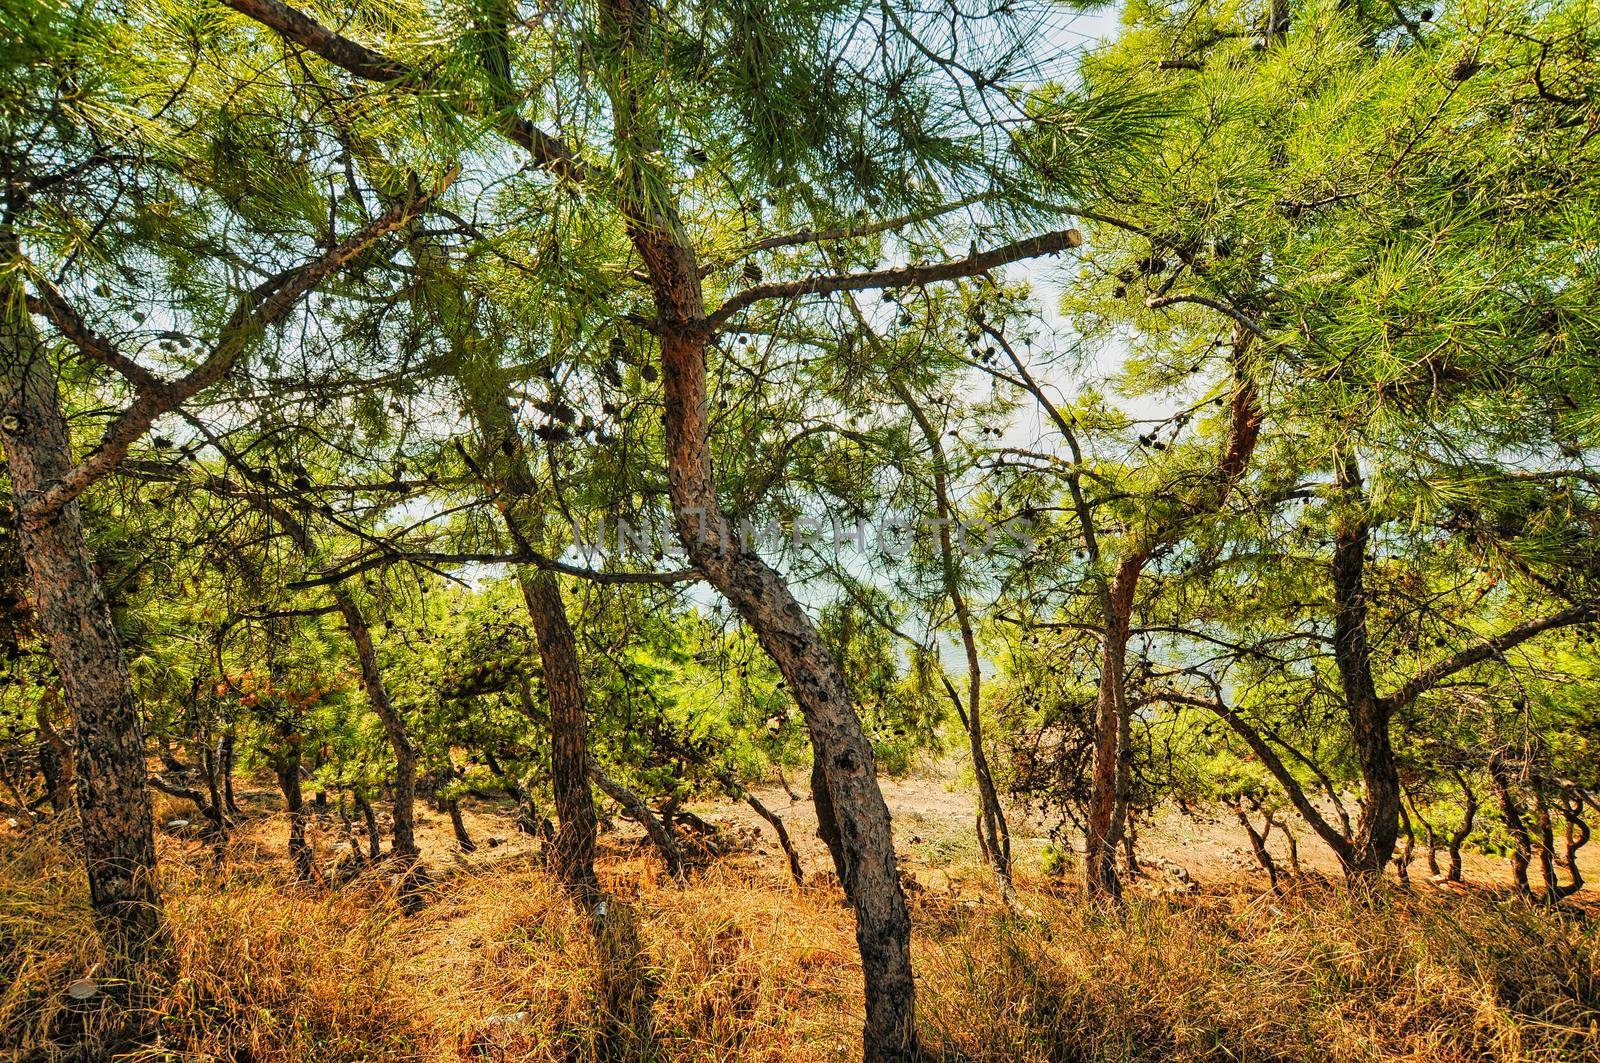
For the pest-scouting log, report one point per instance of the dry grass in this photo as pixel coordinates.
(739, 967)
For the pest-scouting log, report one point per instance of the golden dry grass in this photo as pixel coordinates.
(738, 966)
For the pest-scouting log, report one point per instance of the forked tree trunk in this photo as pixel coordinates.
(71, 611)
(658, 828)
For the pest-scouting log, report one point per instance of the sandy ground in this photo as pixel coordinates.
(934, 827)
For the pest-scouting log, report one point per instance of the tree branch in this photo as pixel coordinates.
(263, 305)
(1483, 651)
(904, 277)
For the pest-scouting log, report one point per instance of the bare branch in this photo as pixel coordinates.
(904, 277)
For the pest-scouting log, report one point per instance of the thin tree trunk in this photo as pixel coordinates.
(572, 852)
(1577, 838)
(656, 827)
(464, 840)
(370, 819)
(71, 611)
(1099, 858)
(394, 726)
(286, 766)
(1521, 843)
(1459, 837)
(776, 823)
(227, 771)
(994, 836)
(1258, 843)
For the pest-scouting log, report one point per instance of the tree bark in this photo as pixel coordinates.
(71, 610)
(1521, 842)
(827, 821)
(776, 822)
(394, 726)
(656, 827)
(1379, 825)
(1099, 859)
(572, 852)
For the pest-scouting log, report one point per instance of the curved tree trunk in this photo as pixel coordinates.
(776, 822)
(113, 795)
(1521, 842)
(1459, 837)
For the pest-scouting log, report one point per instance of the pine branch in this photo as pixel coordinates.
(262, 306)
(904, 277)
(293, 25)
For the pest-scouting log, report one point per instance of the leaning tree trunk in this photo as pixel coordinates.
(394, 727)
(751, 586)
(71, 610)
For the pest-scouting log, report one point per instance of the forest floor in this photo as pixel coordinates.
(1204, 964)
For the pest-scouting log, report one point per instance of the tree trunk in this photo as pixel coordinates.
(227, 771)
(827, 822)
(1577, 838)
(776, 823)
(394, 726)
(572, 852)
(656, 827)
(1099, 857)
(1521, 843)
(753, 588)
(71, 611)
(994, 836)
(1379, 826)
(1258, 843)
(464, 840)
(368, 817)
(1459, 837)
(286, 766)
